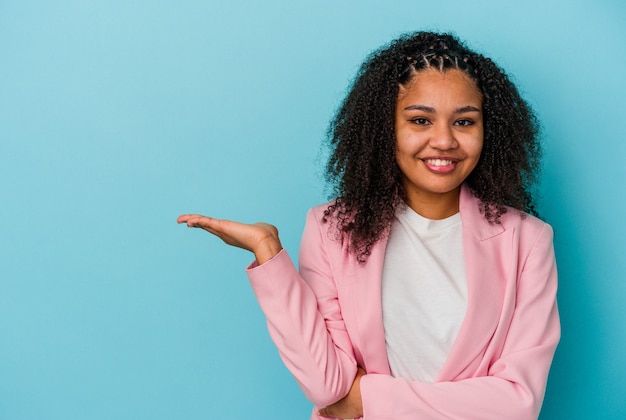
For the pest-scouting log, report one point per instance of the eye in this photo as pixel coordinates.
(420, 121)
(464, 122)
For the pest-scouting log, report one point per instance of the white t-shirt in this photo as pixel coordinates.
(424, 293)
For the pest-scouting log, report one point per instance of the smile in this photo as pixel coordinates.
(438, 162)
(440, 166)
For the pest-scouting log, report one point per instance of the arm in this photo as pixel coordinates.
(304, 318)
(515, 383)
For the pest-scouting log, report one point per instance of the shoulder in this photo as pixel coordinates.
(513, 220)
(318, 211)
(531, 231)
(323, 247)
(325, 218)
(321, 231)
(321, 226)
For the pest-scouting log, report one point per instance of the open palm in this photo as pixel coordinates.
(259, 238)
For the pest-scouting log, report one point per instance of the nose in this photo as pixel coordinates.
(443, 137)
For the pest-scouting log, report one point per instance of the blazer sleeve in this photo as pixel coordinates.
(516, 381)
(304, 318)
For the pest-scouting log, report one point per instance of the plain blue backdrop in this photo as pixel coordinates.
(118, 115)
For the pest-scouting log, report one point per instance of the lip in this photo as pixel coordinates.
(440, 164)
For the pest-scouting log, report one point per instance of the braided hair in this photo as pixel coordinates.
(362, 171)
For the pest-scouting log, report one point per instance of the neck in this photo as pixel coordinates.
(435, 206)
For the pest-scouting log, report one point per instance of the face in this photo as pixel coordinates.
(439, 135)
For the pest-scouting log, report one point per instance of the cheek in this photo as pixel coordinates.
(403, 153)
(406, 145)
(399, 148)
(479, 149)
(476, 153)
(401, 158)
(477, 145)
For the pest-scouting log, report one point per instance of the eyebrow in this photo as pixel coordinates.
(430, 110)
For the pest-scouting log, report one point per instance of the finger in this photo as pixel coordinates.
(226, 230)
(197, 220)
(183, 218)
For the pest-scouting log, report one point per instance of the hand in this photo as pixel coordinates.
(350, 406)
(260, 238)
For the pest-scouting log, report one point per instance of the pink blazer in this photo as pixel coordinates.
(326, 320)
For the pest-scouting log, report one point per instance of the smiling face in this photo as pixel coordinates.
(439, 137)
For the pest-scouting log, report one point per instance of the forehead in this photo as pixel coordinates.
(433, 84)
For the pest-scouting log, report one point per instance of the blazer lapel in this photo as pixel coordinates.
(482, 244)
(366, 310)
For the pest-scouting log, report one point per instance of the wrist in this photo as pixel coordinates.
(267, 249)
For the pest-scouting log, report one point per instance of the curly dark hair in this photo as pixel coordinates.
(362, 171)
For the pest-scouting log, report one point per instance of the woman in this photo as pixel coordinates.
(426, 288)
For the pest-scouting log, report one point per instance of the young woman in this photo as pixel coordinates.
(426, 288)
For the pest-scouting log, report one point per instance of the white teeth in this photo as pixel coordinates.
(439, 162)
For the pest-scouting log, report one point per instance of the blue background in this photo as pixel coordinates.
(118, 115)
